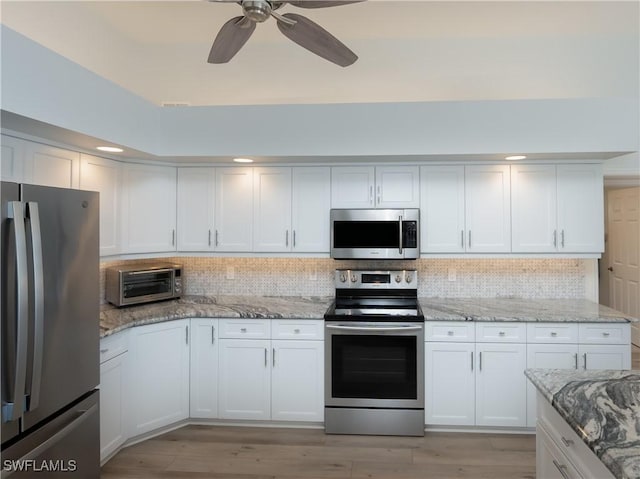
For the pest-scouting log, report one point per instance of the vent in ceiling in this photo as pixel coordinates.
(175, 103)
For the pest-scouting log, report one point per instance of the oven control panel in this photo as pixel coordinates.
(366, 279)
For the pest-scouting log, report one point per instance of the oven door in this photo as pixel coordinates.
(143, 286)
(374, 364)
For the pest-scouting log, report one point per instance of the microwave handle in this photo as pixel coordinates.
(400, 232)
(147, 271)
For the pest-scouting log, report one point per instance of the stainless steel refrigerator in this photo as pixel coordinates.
(50, 332)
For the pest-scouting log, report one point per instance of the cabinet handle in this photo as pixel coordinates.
(209, 237)
(274, 357)
(575, 356)
(371, 194)
(102, 351)
(605, 334)
(566, 442)
(294, 238)
(480, 362)
(469, 239)
(449, 333)
(173, 237)
(243, 330)
(462, 239)
(297, 331)
(186, 334)
(265, 357)
(286, 238)
(213, 334)
(553, 334)
(501, 333)
(379, 194)
(584, 360)
(216, 237)
(472, 360)
(562, 469)
(555, 238)
(562, 238)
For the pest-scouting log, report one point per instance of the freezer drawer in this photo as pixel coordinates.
(67, 446)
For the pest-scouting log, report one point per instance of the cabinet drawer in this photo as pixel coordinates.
(113, 346)
(450, 331)
(245, 328)
(605, 333)
(552, 333)
(297, 329)
(502, 332)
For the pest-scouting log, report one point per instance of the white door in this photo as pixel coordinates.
(234, 209)
(580, 208)
(623, 253)
(310, 207)
(50, 166)
(605, 356)
(203, 387)
(501, 388)
(11, 158)
(397, 187)
(547, 356)
(272, 209)
(487, 209)
(104, 176)
(442, 228)
(244, 388)
(533, 209)
(297, 380)
(449, 384)
(148, 208)
(160, 379)
(196, 199)
(352, 187)
(113, 403)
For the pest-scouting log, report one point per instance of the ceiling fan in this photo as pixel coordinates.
(297, 28)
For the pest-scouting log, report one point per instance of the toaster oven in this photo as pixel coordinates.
(126, 285)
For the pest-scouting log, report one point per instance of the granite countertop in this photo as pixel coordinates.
(603, 408)
(514, 309)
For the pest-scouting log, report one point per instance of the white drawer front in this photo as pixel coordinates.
(502, 332)
(245, 328)
(297, 329)
(114, 345)
(450, 331)
(552, 333)
(605, 333)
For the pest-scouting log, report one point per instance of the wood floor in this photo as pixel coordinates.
(265, 453)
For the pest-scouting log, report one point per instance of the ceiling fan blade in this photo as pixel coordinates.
(320, 3)
(316, 39)
(230, 39)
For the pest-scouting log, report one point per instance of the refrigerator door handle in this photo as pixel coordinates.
(38, 288)
(13, 409)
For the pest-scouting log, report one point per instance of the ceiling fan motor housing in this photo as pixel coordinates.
(257, 10)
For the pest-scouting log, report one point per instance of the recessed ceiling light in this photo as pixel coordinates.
(515, 157)
(243, 160)
(110, 149)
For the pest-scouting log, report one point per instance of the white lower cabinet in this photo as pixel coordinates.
(160, 375)
(551, 463)
(203, 384)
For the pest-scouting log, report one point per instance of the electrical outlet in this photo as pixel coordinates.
(313, 275)
(452, 274)
(231, 272)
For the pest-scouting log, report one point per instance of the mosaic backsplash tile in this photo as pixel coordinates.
(474, 278)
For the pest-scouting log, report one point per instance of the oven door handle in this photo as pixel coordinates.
(374, 328)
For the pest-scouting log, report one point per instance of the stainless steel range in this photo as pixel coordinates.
(374, 355)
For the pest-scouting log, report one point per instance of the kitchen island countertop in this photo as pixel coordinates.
(602, 407)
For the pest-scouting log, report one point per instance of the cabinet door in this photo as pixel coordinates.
(449, 384)
(547, 356)
(148, 208)
(501, 398)
(310, 207)
(272, 209)
(113, 402)
(551, 463)
(11, 158)
(533, 209)
(605, 356)
(196, 199)
(50, 166)
(487, 209)
(442, 227)
(245, 379)
(104, 176)
(397, 187)
(160, 380)
(297, 380)
(580, 208)
(204, 368)
(352, 187)
(234, 209)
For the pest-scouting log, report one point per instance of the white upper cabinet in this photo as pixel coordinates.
(104, 176)
(375, 187)
(442, 209)
(310, 207)
(11, 158)
(148, 208)
(272, 209)
(234, 209)
(580, 208)
(557, 208)
(488, 209)
(196, 199)
(50, 166)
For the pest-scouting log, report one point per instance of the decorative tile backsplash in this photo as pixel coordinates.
(477, 278)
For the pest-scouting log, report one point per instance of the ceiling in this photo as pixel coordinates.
(408, 50)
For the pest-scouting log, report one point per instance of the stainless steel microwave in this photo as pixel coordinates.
(375, 233)
(126, 285)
